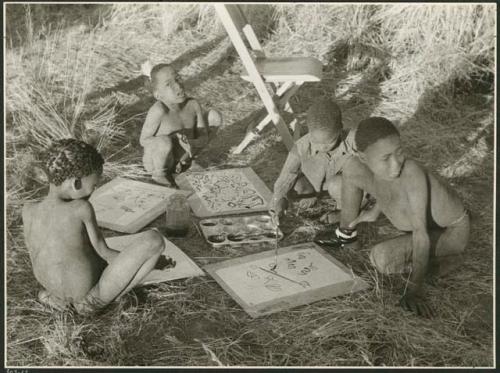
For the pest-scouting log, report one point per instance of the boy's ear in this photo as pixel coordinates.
(362, 157)
(76, 184)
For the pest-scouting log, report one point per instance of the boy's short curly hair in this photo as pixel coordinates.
(324, 114)
(372, 129)
(69, 158)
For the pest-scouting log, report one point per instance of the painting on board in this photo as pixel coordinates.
(304, 273)
(224, 192)
(182, 266)
(126, 205)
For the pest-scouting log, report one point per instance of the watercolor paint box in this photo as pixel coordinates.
(239, 230)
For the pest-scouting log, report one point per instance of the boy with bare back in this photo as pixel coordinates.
(432, 219)
(315, 163)
(170, 125)
(69, 255)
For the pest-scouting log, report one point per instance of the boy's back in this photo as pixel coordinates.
(62, 256)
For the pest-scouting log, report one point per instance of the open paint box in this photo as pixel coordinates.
(239, 230)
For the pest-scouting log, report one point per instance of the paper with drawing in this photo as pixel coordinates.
(229, 191)
(296, 272)
(128, 205)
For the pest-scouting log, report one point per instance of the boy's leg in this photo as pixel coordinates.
(125, 271)
(393, 255)
(160, 150)
(51, 300)
(448, 245)
(303, 187)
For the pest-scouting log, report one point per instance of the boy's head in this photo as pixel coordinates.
(165, 84)
(379, 147)
(73, 165)
(324, 121)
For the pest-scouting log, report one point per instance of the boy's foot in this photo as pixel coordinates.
(51, 301)
(214, 118)
(163, 181)
(337, 239)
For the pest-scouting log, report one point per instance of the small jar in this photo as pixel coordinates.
(177, 216)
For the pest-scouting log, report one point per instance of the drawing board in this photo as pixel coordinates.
(126, 205)
(184, 266)
(224, 192)
(305, 273)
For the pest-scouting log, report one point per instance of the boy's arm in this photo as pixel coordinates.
(287, 177)
(200, 120)
(151, 124)
(415, 183)
(351, 193)
(87, 214)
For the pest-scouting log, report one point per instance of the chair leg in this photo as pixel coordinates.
(251, 135)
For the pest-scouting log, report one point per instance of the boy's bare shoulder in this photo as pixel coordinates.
(81, 208)
(157, 109)
(353, 167)
(412, 171)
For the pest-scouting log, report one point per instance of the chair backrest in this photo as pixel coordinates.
(233, 18)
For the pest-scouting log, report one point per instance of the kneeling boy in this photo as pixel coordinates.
(316, 160)
(67, 250)
(432, 219)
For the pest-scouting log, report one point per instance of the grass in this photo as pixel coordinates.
(427, 67)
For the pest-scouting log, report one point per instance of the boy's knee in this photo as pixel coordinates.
(303, 186)
(388, 261)
(334, 186)
(155, 241)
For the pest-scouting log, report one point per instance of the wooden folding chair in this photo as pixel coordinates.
(285, 75)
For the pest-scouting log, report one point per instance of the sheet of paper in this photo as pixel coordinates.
(295, 273)
(184, 267)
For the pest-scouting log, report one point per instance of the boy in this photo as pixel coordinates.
(316, 160)
(67, 250)
(170, 122)
(434, 223)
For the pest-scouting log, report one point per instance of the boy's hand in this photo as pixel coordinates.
(278, 210)
(365, 216)
(416, 304)
(306, 203)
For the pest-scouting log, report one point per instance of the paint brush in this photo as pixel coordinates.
(276, 225)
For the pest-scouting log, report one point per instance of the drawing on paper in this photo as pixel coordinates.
(184, 267)
(304, 273)
(228, 191)
(128, 205)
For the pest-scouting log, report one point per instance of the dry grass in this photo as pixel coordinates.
(401, 61)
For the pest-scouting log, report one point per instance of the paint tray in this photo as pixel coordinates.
(239, 230)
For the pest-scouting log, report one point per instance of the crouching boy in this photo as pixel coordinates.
(433, 222)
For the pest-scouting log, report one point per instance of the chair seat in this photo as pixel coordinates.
(289, 69)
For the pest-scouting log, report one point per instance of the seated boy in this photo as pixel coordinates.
(314, 163)
(432, 219)
(170, 123)
(67, 250)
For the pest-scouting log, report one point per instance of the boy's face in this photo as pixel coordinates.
(385, 157)
(322, 140)
(82, 188)
(168, 89)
